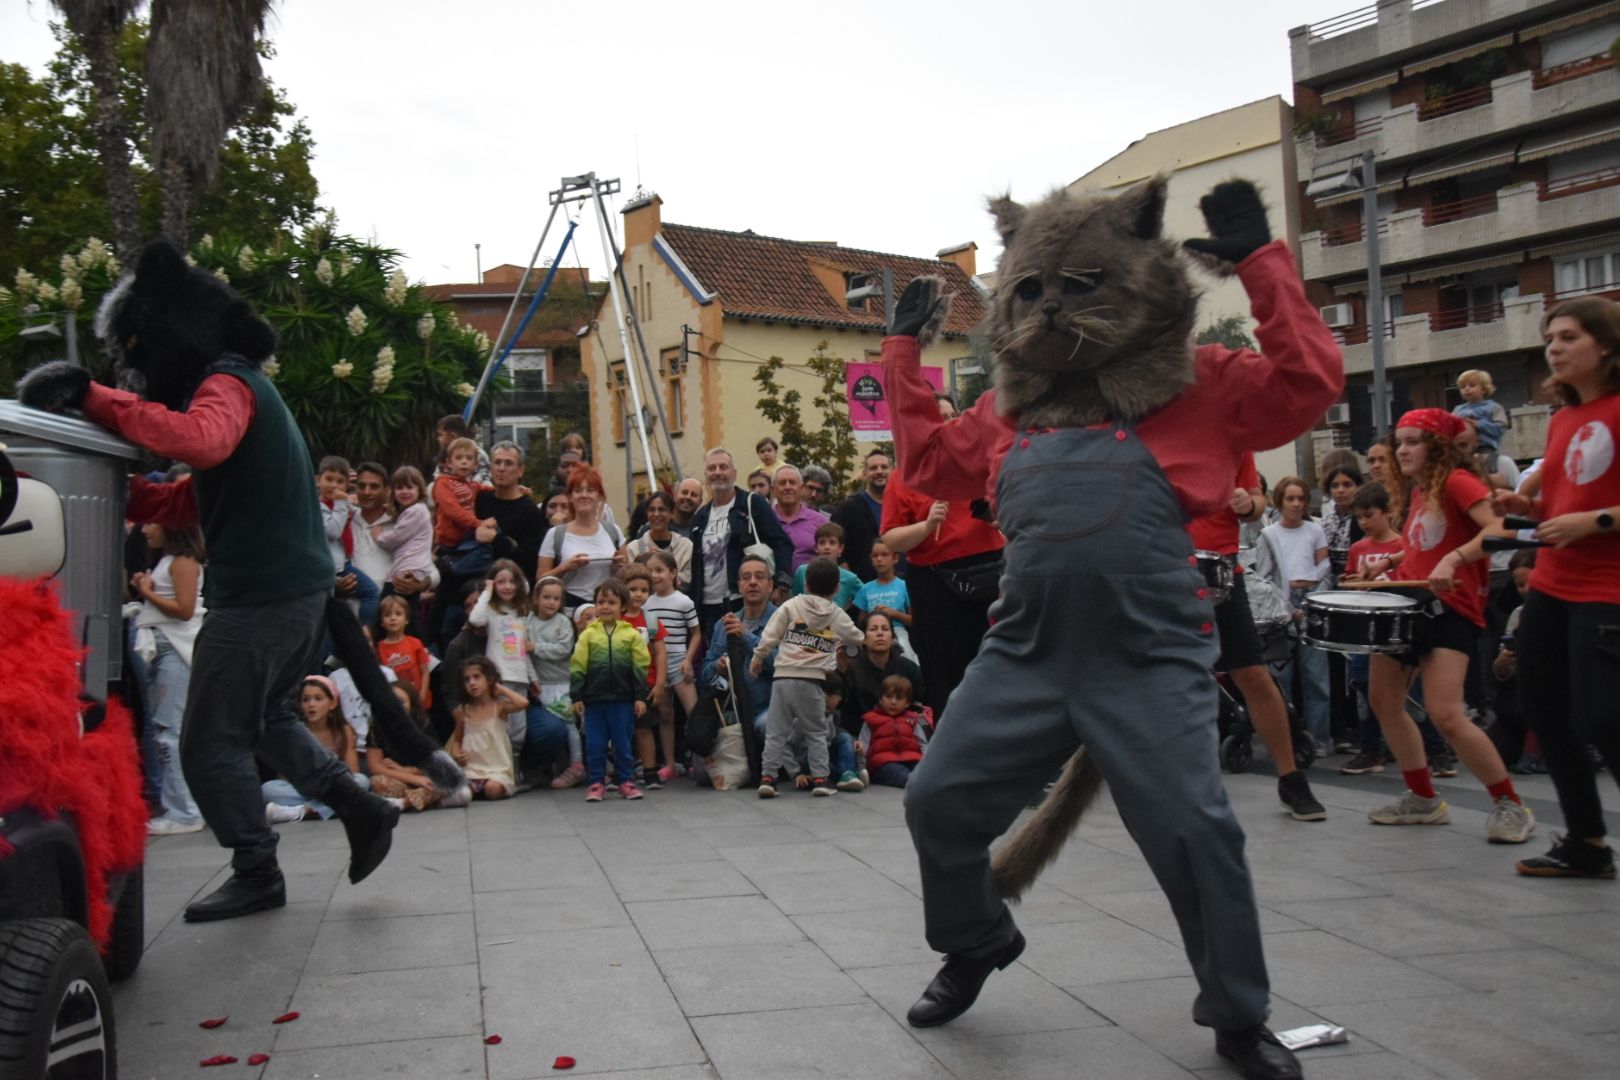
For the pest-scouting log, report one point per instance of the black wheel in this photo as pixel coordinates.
(56, 1017)
(1305, 749)
(1237, 753)
(128, 928)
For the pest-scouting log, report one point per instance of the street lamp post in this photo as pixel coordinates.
(1375, 292)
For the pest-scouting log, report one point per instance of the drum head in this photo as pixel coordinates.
(1345, 600)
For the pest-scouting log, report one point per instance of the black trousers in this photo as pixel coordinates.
(1569, 689)
(946, 630)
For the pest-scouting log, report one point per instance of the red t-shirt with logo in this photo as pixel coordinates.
(1580, 473)
(409, 660)
(958, 536)
(1367, 550)
(1218, 532)
(1430, 535)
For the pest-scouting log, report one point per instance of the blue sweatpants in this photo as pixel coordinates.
(605, 722)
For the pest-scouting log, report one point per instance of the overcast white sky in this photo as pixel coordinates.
(879, 125)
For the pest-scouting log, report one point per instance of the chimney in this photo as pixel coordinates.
(962, 255)
(504, 274)
(642, 220)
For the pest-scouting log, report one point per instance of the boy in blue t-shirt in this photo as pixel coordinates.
(830, 543)
(887, 595)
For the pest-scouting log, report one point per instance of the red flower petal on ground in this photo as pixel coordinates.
(258, 1059)
(564, 1062)
(217, 1059)
(492, 1040)
(218, 1021)
(285, 1018)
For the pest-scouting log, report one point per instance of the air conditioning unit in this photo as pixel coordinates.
(1338, 315)
(1338, 415)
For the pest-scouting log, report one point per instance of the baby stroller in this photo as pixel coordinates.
(1273, 623)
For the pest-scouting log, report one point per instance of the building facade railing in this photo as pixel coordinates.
(1566, 186)
(1572, 69)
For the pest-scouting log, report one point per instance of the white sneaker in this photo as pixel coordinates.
(1412, 809)
(167, 826)
(276, 814)
(1509, 823)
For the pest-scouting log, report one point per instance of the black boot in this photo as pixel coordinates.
(956, 987)
(369, 821)
(1257, 1054)
(247, 891)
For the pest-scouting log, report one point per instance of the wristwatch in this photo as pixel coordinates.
(1605, 521)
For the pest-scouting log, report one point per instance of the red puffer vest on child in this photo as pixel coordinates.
(894, 738)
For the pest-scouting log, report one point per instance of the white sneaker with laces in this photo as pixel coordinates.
(1509, 823)
(167, 826)
(1412, 809)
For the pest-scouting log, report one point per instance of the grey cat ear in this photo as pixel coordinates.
(1009, 216)
(1140, 209)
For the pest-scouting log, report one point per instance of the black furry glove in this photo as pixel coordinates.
(921, 310)
(1236, 220)
(54, 387)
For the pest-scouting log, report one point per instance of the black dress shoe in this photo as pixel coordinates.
(1257, 1054)
(245, 893)
(369, 821)
(956, 987)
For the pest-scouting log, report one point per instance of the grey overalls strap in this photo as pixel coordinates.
(1102, 634)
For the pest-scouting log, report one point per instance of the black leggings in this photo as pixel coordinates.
(946, 629)
(1569, 690)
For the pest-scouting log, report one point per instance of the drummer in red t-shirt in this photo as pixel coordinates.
(1442, 542)
(1569, 632)
(1242, 656)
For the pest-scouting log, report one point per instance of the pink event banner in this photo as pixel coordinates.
(869, 401)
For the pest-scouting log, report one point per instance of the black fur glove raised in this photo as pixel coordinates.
(54, 387)
(1237, 223)
(921, 310)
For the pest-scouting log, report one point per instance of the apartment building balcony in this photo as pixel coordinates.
(1461, 334)
(1394, 29)
(1516, 212)
(1523, 100)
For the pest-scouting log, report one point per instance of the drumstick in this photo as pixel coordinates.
(1383, 584)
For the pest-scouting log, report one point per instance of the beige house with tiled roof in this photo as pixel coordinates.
(713, 306)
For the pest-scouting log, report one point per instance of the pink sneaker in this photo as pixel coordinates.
(569, 777)
(668, 773)
(595, 792)
(628, 790)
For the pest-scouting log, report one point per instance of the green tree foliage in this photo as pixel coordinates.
(53, 192)
(1228, 331)
(366, 362)
(822, 434)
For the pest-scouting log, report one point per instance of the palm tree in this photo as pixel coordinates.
(202, 72)
(99, 24)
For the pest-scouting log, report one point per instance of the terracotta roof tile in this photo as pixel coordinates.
(766, 277)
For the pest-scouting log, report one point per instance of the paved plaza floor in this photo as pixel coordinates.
(698, 934)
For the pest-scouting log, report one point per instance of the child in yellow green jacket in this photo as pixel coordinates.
(608, 684)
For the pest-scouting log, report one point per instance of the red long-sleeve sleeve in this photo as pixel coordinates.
(951, 461)
(204, 435)
(170, 505)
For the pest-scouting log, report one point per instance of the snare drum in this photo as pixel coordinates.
(1360, 622)
(1217, 571)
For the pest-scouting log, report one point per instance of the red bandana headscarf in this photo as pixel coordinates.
(1434, 421)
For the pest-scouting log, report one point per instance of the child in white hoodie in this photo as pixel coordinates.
(808, 628)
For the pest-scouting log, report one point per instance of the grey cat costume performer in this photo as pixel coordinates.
(189, 354)
(1106, 433)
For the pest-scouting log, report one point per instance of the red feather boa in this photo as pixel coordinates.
(47, 765)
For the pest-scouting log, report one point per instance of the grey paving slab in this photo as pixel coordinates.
(755, 978)
(461, 1055)
(1014, 1001)
(1104, 951)
(544, 911)
(419, 1003)
(857, 1042)
(811, 892)
(721, 920)
(678, 881)
(1104, 1053)
(1159, 1012)
(355, 946)
(789, 942)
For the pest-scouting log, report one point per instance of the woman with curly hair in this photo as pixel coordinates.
(1447, 518)
(1569, 629)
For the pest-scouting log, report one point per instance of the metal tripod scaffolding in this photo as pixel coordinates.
(577, 189)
